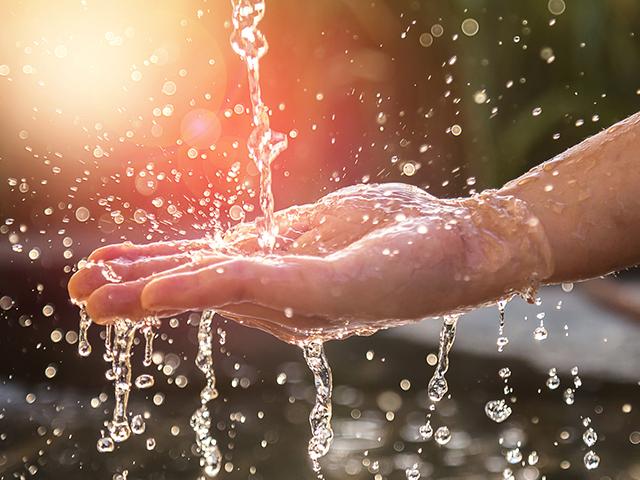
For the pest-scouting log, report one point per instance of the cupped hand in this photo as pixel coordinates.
(360, 259)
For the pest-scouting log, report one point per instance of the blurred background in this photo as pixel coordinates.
(127, 120)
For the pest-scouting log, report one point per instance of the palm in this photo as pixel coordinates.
(359, 259)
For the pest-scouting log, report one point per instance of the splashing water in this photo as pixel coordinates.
(108, 354)
(438, 387)
(84, 347)
(502, 339)
(320, 416)
(264, 144)
(125, 331)
(210, 456)
(412, 473)
(149, 334)
(497, 410)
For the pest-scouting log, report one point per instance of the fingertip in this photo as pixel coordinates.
(109, 252)
(149, 298)
(115, 301)
(84, 282)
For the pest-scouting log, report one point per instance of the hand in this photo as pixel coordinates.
(360, 259)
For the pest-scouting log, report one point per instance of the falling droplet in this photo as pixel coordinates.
(151, 443)
(210, 456)
(540, 333)
(84, 347)
(105, 444)
(137, 425)
(497, 410)
(320, 416)
(438, 387)
(442, 435)
(502, 339)
(125, 331)
(149, 334)
(591, 460)
(590, 437)
(426, 431)
(514, 456)
(144, 381)
(568, 396)
(553, 381)
(108, 354)
(412, 473)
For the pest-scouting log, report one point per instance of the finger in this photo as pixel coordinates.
(308, 285)
(122, 300)
(131, 251)
(94, 275)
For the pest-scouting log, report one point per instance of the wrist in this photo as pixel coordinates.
(509, 247)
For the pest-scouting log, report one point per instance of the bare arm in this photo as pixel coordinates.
(588, 200)
(374, 256)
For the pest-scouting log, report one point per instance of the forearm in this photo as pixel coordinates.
(588, 200)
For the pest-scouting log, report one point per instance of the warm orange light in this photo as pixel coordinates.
(123, 69)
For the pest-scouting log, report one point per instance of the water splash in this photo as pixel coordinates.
(438, 386)
(84, 347)
(502, 339)
(553, 382)
(210, 456)
(320, 416)
(497, 410)
(412, 473)
(124, 334)
(149, 334)
(264, 144)
(590, 437)
(108, 354)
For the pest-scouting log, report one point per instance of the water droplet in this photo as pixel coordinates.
(119, 431)
(540, 333)
(553, 382)
(497, 410)
(320, 416)
(590, 437)
(412, 473)
(105, 444)
(426, 431)
(501, 343)
(144, 381)
(514, 456)
(211, 457)
(84, 348)
(137, 425)
(568, 396)
(442, 435)
(151, 443)
(533, 458)
(437, 388)
(591, 460)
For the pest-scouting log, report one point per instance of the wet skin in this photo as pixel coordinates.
(373, 256)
